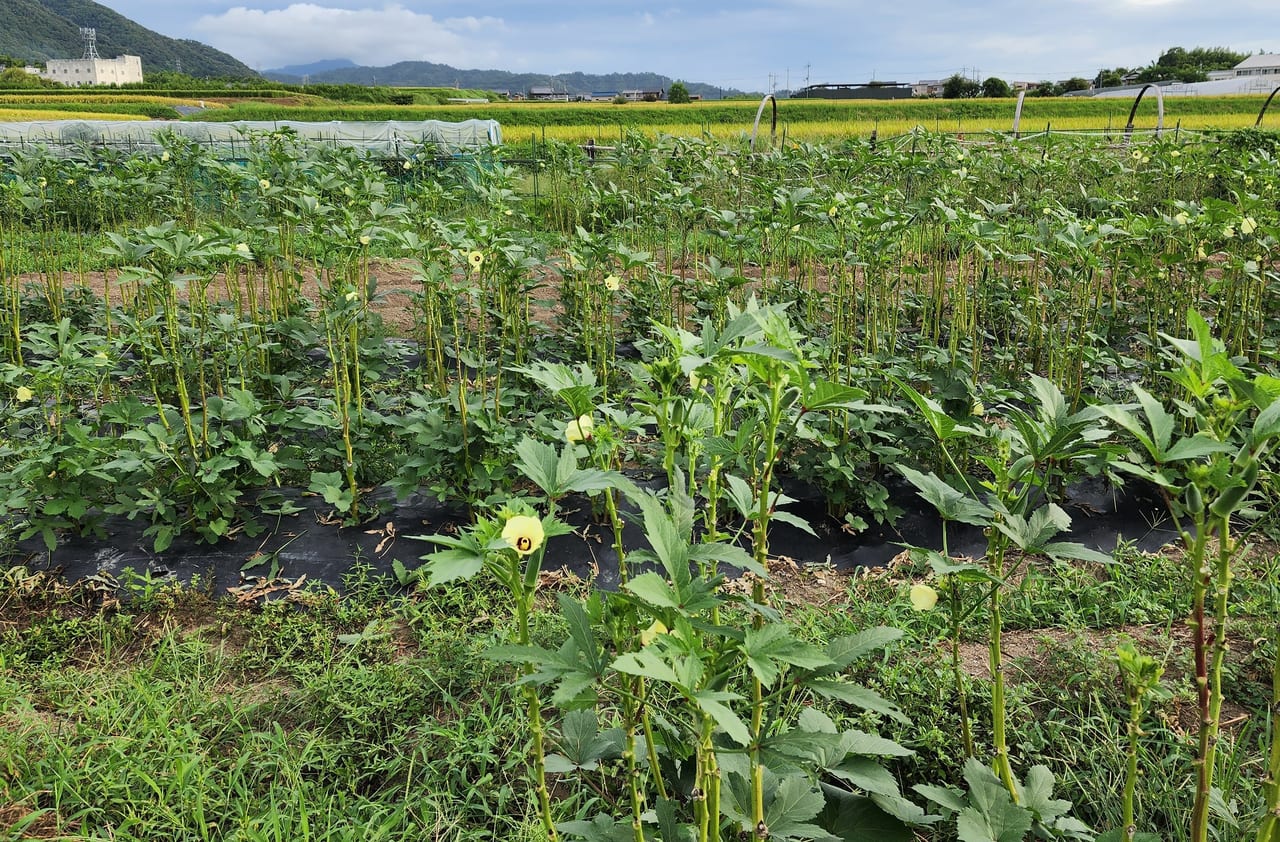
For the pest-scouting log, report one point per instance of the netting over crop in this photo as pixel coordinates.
(390, 137)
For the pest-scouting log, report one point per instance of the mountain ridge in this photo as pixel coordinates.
(426, 74)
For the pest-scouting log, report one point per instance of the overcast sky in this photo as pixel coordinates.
(747, 44)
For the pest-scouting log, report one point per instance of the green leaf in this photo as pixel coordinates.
(1037, 795)
(646, 665)
(943, 796)
(654, 590)
(450, 565)
(1195, 447)
(601, 829)
(826, 395)
(795, 802)
(858, 696)
(991, 815)
(712, 702)
(542, 465)
(669, 826)
(582, 742)
(843, 651)
(860, 742)
(867, 775)
(773, 644)
(950, 503)
(856, 818)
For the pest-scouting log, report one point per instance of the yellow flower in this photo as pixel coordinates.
(1175, 154)
(164, 156)
(923, 597)
(1228, 232)
(650, 634)
(264, 184)
(242, 249)
(523, 533)
(23, 394)
(1200, 253)
(579, 429)
(408, 165)
(364, 239)
(44, 182)
(833, 211)
(613, 283)
(695, 382)
(476, 259)
(352, 296)
(1137, 155)
(1248, 225)
(1182, 218)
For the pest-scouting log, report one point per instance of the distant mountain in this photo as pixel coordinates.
(425, 74)
(297, 71)
(38, 30)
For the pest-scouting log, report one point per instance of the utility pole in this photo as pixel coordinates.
(806, 74)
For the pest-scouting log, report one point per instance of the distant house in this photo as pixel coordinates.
(1263, 64)
(645, 96)
(602, 96)
(77, 72)
(546, 93)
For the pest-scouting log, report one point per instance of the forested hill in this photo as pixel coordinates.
(428, 74)
(38, 30)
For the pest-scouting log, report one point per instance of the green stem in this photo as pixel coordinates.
(1269, 829)
(1200, 576)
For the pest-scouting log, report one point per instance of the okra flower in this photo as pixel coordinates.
(523, 533)
(613, 283)
(650, 634)
(476, 259)
(1248, 225)
(264, 184)
(579, 429)
(923, 597)
(23, 394)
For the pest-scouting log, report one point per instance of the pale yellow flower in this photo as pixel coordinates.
(650, 634)
(1228, 232)
(613, 283)
(476, 259)
(1248, 225)
(579, 429)
(1181, 218)
(408, 165)
(242, 249)
(264, 184)
(923, 597)
(23, 394)
(524, 534)
(365, 240)
(164, 156)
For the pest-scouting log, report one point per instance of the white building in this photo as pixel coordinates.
(94, 71)
(1263, 64)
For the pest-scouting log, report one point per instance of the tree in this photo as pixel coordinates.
(958, 87)
(994, 86)
(1075, 83)
(678, 93)
(1046, 88)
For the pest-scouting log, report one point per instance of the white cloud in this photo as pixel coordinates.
(304, 32)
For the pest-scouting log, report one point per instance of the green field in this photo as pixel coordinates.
(659, 366)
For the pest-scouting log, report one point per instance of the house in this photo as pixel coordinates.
(1263, 64)
(928, 87)
(602, 96)
(546, 93)
(645, 96)
(121, 70)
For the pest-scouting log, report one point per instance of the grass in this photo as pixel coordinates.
(373, 715)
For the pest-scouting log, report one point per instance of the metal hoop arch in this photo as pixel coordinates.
(1258, 123)
(1128, 129)
(773, 128)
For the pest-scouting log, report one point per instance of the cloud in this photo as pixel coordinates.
(305, 32)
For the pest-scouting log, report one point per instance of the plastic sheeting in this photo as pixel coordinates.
(391, 138)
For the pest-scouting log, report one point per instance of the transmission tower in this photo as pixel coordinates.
(90, 36)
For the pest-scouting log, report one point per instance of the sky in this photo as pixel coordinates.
(757, 45)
